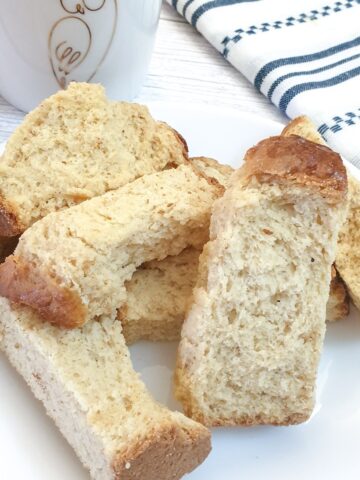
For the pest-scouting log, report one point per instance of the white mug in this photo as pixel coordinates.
(45, 44)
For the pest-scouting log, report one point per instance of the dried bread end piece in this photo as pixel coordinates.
(86, 382)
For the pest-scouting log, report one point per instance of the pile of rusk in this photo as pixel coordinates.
(112, 217)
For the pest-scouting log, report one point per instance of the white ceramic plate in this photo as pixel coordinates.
(326, 447)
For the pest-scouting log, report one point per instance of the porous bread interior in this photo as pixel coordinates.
(251, 341)
(103, 241)
(86, 381)
(157, 297)
(77, 145)
(347, 256)
(160, 293)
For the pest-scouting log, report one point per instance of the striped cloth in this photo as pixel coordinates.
(304, 56)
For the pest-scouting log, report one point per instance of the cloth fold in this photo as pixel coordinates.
(303, 56)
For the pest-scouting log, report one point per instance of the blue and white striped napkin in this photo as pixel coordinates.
(304, 56)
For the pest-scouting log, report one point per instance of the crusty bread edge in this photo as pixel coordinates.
(291, 159)
(10, 225)
(219, 189)
(168, 451)
(180, 139)
(181, 380)
(175, 162)
(297, 127)
(25, 284)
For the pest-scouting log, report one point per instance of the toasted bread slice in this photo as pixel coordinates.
(72, 265)
(86, 382)
(77, 145)
(251, 341)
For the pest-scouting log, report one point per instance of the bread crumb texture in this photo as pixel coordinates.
(103, 241)
(77, 145)
(86, 381)
(252, 338)
(157, 297)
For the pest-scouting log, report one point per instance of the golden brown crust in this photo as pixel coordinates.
(10, 225)
(303, 127)
(167, 453)
(296, 160)
(182, 142)
(293, 125)
(21, 283)
(210, 180)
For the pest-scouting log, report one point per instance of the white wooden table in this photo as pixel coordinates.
(185, 68)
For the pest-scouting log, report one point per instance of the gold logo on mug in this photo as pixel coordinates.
(71, 39)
